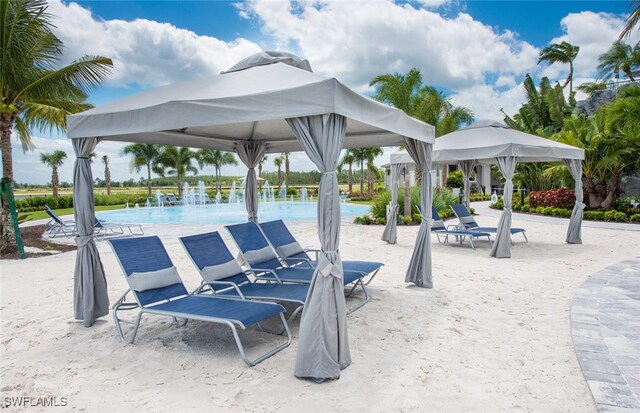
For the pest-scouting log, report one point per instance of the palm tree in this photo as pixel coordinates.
(107, 173)
(371, 154)
(348, 159)
(398, 90)
(561, 53)
(621, 57)
(54, 160)
(360, 157)
(35, 91)
(175, 161)
(286, 168)
(217, 159)
(435, 108)
(260, 164)
(278, 161)
(144, 154)
(632, 20)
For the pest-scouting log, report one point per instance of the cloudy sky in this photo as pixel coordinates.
(477, 51)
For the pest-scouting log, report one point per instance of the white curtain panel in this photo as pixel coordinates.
(390, 233)
(323, 345)
(90, 298)
(250, 153)
(467, 168)
(419, 271)
(574, 232)
(502, 244)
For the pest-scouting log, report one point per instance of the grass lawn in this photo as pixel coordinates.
(30, 216)
(357, 202)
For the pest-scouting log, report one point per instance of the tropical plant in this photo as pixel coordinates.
(36, 93)
(545, 111)
(591, 87)
(54, 160)
(611, 151)
(278, 161)
(107, 173)
(217, 159)
(371, 154)
(561, 53)
(348, 159)
(260, 164)
(632, 20)
(144, 155)
(621, 57)
(176, 161)
(286, 167)
(398, 90)
(360, 157)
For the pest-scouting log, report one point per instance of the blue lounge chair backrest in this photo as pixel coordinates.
(163, 199)
(209, 249)
(53, 215)
(464, 215)
(172, 198)
(279, 235)
(438, 224)
(249, 237)
(145, 254)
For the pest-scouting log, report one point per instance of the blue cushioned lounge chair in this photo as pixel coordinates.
(158, 289)
(439, 228)
(222, 274)
(263, 261)
(103, 228)
(57, 225)
(466, 219)
(292, 253)
(172, 200)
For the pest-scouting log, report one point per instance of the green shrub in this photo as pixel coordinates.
(406, 220)
(381, 221)
(593, 215)
(635, 218)
(614, 215)
(417, 217)
(624, 204)
(455, 180)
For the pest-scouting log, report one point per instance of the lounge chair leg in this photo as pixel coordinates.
(135, 328)
(471, 242)
(372, 275)
(361, 303)
(266, 355)
(525, 237)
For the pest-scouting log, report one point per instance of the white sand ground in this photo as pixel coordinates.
(492, 335)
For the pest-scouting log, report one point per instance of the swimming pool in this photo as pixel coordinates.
(223, 213)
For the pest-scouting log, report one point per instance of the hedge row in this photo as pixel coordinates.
(557, 198)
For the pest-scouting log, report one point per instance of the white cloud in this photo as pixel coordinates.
(355, 42)
(594, 33)
(486, 102)
(144, 52)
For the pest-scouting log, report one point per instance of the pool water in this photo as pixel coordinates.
(225, 213)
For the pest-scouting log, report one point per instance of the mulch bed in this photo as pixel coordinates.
(32, 237)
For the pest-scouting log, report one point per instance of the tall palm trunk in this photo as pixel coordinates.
(286, 169)
(350, 180)
(54, 181)
(107, 178)
(7, 237)
(279, 176)
(443, 175)
(370, 182)
(7, 157)
(361, 178)
(407, 195)
(418, 174)
(149, 180)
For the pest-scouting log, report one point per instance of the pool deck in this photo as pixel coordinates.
(605, 326)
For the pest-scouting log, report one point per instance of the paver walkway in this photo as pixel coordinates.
(605, 326)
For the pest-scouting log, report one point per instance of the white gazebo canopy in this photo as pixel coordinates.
(490, 142)
(269, 102)
(218, 112)
(487, 140)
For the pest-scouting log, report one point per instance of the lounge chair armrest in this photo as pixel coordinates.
(315, 250)
(266, 270)
(305, 260)
(228, 284)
